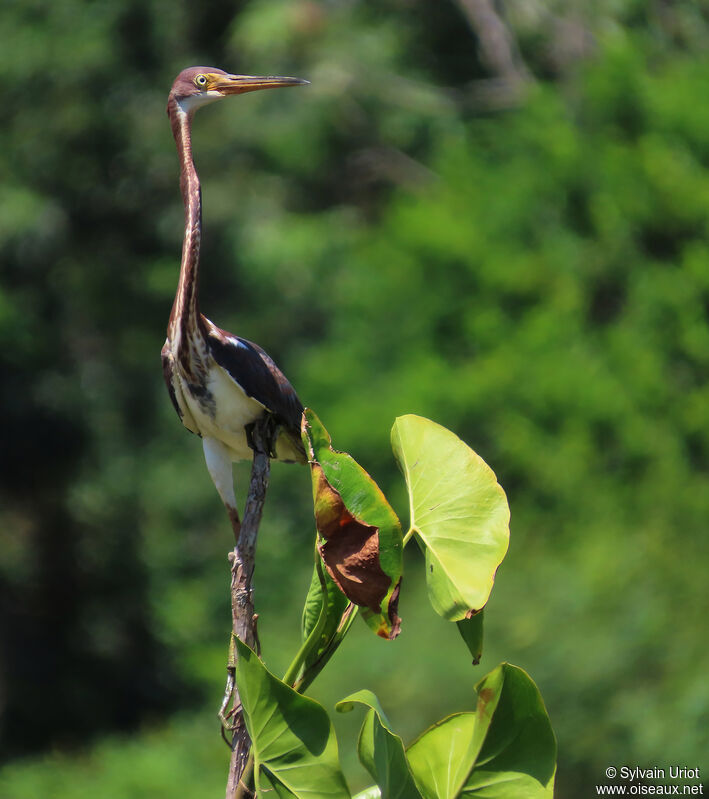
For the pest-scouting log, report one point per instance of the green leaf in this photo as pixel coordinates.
(321, 597)
(518, 757)
(459, 514)
(327, 616)
(441, 759)
(380, 750)
(471, 630)
(372, 792)
(293, 741)
(505, 750)
(505, 785)
(362, 540)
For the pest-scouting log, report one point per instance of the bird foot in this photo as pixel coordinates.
(226, 715)
(262, 435)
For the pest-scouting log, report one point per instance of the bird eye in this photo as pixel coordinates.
(201, 80)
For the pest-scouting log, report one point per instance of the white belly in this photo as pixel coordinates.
(224, 413)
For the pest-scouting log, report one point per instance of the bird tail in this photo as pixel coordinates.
(289, 447)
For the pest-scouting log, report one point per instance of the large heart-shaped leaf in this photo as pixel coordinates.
(362, 540)
(518, 757)
(381, 751)
(505, 750)
(293, 742)
(459, 514)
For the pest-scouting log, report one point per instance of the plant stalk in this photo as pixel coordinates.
(312, 639)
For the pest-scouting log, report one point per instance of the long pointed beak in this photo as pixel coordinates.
(238, 84)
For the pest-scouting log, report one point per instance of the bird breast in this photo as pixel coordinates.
(221, 409)
(209, 401)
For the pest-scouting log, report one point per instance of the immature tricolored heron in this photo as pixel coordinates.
(220, 384)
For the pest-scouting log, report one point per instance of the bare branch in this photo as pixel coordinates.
(242, 603)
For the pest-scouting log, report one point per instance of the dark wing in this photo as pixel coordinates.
(259, 377)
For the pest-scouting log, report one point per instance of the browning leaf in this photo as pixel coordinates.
(351, 548)
(360, 535)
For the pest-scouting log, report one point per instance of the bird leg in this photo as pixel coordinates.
(220, 469)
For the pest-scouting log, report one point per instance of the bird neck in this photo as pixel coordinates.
(185, 310)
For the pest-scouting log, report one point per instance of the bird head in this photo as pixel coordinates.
(197, 86)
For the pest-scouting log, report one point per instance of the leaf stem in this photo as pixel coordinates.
(307, 679)
(409, 533)
(311, 641)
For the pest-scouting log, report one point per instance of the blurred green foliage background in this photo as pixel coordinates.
(493, 215)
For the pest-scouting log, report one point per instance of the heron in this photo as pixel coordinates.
(220, 384)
